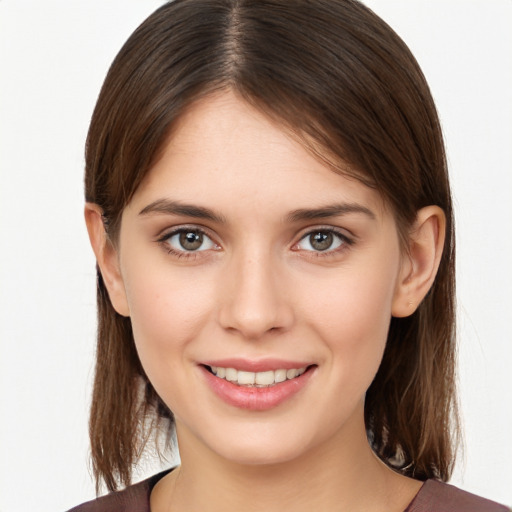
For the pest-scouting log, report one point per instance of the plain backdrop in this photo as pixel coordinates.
(53, 57)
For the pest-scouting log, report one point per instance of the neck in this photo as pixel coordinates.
(342, 474)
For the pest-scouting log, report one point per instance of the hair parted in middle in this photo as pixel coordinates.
(337, 78)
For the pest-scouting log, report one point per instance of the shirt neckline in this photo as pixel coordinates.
(152, 481)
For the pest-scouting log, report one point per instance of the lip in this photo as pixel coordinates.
(260, 365)
(254, 398)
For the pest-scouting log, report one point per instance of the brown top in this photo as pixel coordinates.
(434, 496)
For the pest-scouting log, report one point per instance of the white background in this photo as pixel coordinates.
(53, 57)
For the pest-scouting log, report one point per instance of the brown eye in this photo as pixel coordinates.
(322, 240)
(191, 240)
(188, 240)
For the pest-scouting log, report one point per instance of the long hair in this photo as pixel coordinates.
(339, 78)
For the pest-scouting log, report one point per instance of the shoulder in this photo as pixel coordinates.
(436, 496)
(134, 498)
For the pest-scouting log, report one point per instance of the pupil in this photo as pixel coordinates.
(190, 240)
(321, 241)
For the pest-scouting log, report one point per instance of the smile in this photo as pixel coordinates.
(256, 379)
(254, 385)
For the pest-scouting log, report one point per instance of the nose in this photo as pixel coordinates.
(254, 297)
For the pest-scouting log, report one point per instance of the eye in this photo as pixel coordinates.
(188, 240)
(322, 240)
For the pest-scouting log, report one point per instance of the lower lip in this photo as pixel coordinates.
(253, 398)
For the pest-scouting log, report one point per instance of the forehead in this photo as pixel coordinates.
(224, 152)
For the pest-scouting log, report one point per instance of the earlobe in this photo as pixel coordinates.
(421, 262)
(107, 258)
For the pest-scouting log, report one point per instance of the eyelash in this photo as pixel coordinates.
(344, 240)
(181, 254)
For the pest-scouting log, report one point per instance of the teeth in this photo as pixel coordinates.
(264, 378)
(231, 375)
(291, 374)
(256, 379)
(280, 375)
(246, 378)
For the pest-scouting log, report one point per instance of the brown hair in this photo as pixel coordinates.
(339, 78)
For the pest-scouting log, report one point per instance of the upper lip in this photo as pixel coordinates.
(256, 365)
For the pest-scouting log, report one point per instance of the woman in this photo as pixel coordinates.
(268, 202)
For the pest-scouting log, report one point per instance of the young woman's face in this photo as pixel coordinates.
(243, 256)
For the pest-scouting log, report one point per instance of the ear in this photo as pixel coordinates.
(420, 263)
(107, 258)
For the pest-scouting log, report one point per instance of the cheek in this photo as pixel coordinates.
(167, 311)
(352, 316)
(354, 302)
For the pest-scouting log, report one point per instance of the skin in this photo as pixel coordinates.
(257, 288)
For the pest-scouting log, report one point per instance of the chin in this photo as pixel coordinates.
(260, 456)
(266, 446)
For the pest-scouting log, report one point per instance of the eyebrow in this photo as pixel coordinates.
(170, 207)
(334, 210)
